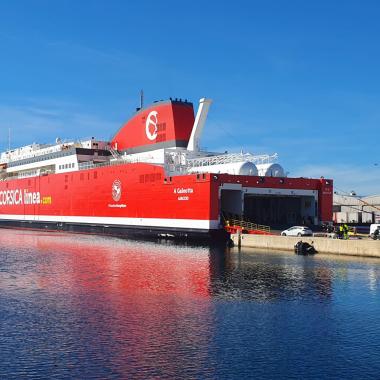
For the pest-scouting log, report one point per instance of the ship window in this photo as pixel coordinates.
(81, 176)
(142, 178)
(95, 175)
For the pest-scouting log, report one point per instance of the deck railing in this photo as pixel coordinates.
(236, 221)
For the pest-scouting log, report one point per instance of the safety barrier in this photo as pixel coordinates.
(234, 225)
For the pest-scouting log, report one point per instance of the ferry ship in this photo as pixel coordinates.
(152, 178)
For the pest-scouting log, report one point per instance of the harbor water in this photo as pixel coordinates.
(91, 307)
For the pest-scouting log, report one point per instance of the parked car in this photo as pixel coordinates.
(374, 230)
(297, 231)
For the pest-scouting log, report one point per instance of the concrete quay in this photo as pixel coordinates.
(353, 247)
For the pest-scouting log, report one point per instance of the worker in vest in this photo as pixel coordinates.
(341, 231)
(345, 229)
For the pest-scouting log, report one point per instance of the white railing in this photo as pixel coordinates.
(231, 158)
(120, 161)
(36, 150)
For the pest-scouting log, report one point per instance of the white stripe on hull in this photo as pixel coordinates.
(133, 222)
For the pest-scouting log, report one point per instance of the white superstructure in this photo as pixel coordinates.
(41, 159)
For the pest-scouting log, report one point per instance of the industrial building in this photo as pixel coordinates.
(356, 210)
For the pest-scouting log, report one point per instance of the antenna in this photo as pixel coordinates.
(141, 99)
(9, 139)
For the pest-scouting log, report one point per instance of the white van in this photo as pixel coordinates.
(373, 228)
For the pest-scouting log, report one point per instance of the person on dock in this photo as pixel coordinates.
(345, 231)
(376, 234)
(340, 232)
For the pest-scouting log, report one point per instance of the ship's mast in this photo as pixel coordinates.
(141, 99)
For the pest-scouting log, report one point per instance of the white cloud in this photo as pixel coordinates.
(31, 122)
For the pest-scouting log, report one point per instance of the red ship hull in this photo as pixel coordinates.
(146, 202)
(84, 200)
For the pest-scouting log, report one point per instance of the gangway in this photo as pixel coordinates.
(235, 225)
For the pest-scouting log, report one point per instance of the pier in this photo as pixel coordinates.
(353, 247)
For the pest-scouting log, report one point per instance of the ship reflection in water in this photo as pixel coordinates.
(79, 306)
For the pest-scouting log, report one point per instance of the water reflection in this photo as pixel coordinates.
(79, 306)
(66, 263)
(113, 306)
(61, 263)
(71, 263)
(266, 276)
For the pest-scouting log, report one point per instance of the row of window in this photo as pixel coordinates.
(32, 160)
(88, 176)
(66, 166)
(150, 177)
(27, 174)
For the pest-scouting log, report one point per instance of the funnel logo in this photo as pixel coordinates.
(116, 190)
(151, 125)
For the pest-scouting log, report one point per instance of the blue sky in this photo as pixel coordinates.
(300, 78)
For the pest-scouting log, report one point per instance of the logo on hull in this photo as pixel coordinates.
(151, 125)
(116, 190)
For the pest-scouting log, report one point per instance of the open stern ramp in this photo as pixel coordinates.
(269, 206)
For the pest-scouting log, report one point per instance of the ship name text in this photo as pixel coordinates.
(182, 191)
(19, 197)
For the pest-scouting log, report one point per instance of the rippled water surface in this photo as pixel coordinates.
(89, 307)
